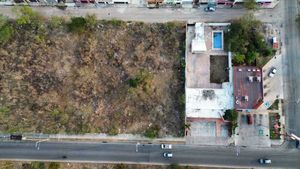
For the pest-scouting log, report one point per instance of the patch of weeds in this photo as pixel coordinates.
(120, 166)
(114, 22)
(54, 165)
(55, 22)
(113, 130)
(142, 80)
(4, 111)
(152, 132)
(169, 26)
(37, 165)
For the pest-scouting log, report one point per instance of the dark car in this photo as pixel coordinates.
(16, 137)
(249, 119)
(298, 144)
(264, 161)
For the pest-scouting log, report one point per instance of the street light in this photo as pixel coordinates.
(37, 144)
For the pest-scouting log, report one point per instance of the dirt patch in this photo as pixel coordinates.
(219, 72)
(115, 78)
(53, 165)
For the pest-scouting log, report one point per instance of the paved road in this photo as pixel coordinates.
(292, 87)
(152, 15)
(126, 153)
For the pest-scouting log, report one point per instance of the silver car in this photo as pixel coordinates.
(166, 146)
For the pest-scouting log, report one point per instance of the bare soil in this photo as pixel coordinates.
(41, 165)
(61, 82)
(218, 69)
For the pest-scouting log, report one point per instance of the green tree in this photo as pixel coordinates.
(77, 24)
(251, 56)
(238, 58)
(28, 17)
(231, 115)
(250, 4)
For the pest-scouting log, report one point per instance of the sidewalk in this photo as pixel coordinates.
(98, 138)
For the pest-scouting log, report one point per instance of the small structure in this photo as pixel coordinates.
(198, 43)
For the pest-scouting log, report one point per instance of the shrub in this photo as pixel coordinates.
(77, 24)
(53, 165)
(28, 17)
(37, 165)
(5, 111)
(91, 21)
(55, 22)
(152, 132)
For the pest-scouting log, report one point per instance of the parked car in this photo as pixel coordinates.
(166, 146)
(272, 72)
(298, 144)
(16, 137)
(167, 155)
(264, 161)
(209, 9)
(249, 119)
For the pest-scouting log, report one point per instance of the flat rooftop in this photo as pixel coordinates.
(248, 87)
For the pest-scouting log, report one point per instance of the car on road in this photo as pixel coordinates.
(272, 72)
(298, 144)
(166, 146)
(167, 154)
(209, 9)
(264, 161)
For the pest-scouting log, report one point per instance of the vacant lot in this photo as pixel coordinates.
(106, 76)
(218, 69)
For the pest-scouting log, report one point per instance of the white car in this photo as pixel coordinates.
(264, 161)
(272, 72)
(166, 146)
(168, 155)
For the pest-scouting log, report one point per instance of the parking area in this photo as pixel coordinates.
(253, 130)
(248, 88)
(207, 131)
(272, 86)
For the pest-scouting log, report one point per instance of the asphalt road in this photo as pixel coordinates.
(148, 153)
(151, 15)
(292, 78)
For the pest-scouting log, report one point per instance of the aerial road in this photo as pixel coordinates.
(147, 154)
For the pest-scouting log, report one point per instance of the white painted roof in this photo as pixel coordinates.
(198, 43)
(199, 106)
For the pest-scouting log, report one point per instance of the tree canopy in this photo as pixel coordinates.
(246, 41)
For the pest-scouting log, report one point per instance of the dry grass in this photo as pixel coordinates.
(55, 81)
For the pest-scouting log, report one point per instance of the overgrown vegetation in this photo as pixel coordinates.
(152, 132)
(246, 41)
(6, 30)
(91, 76)
(232, 116)
(250, 4)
